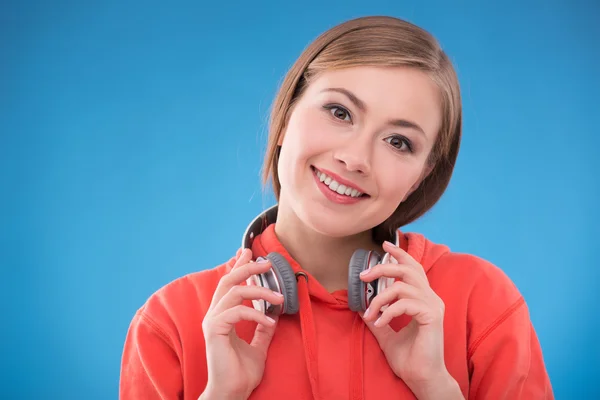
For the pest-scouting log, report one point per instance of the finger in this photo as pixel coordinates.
(381, 333)
(264, 335)
(238, 275)
(244, 257)
(402, 257)
(415, 308)
(405, 272)
(223, 323)
(237, 294)
(400, 254)
(398, 290)
(231, 263)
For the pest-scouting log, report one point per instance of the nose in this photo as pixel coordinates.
(355, 155)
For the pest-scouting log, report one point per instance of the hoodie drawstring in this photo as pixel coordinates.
(307, 325)
(356, 359)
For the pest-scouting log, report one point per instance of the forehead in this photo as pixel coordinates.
(387, 92)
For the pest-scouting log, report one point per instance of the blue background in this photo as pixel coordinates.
(131, 138)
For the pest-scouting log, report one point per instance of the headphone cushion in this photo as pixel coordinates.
(356, 287)
(287, 278)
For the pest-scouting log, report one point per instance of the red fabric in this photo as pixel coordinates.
(326, 352)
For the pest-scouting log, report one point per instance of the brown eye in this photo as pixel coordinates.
(396, 142)
(340, 113)
(400, 143)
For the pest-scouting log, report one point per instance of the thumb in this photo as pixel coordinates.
(381, 333)
(263, 335)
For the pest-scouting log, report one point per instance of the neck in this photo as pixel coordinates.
(325, 258)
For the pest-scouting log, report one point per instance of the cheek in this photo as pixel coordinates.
(396, 178)
(305, 136)
(297, 147)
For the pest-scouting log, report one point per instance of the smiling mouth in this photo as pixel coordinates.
(337, 187)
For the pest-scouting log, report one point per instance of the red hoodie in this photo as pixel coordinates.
(491, 348)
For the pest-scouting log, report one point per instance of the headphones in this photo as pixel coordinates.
(281, 278)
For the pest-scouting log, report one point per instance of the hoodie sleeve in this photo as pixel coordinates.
(150, 366)
(505, 356)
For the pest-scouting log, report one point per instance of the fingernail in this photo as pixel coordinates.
(271, 320)
(377, 322)
(262, 260)
(366, 314)
(363, 273)
(390, 244)
(278, 294)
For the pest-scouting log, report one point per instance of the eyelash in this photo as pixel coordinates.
(331, 107)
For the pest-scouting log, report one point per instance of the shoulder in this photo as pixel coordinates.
(460, 271)
(482, 296)
(183, 301)
(472, 287)
(479, 275)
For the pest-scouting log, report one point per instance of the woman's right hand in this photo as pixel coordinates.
(235, 367)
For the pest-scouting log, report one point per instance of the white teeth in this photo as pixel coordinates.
(336, 187)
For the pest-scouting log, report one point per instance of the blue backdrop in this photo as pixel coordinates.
(131, 138)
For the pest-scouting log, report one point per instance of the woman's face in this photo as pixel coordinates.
(356, 146)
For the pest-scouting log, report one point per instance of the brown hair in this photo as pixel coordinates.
(378, 41)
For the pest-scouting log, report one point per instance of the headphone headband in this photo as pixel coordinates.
(258, 225)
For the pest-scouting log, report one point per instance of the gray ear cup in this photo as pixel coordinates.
(287, 280)
(357, 289)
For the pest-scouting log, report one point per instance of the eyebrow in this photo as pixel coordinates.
(402, 123)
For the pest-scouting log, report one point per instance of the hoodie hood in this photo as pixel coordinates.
(421, 249)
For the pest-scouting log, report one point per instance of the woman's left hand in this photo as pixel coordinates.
(416, 352)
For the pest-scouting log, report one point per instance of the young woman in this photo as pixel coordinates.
(327, 297)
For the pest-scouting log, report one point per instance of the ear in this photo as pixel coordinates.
(426, 171)
(282, 132)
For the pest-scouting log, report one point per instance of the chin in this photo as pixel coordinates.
(331, 224)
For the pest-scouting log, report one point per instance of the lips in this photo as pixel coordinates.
(338, 184)
(336, 187)
(342, 195)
